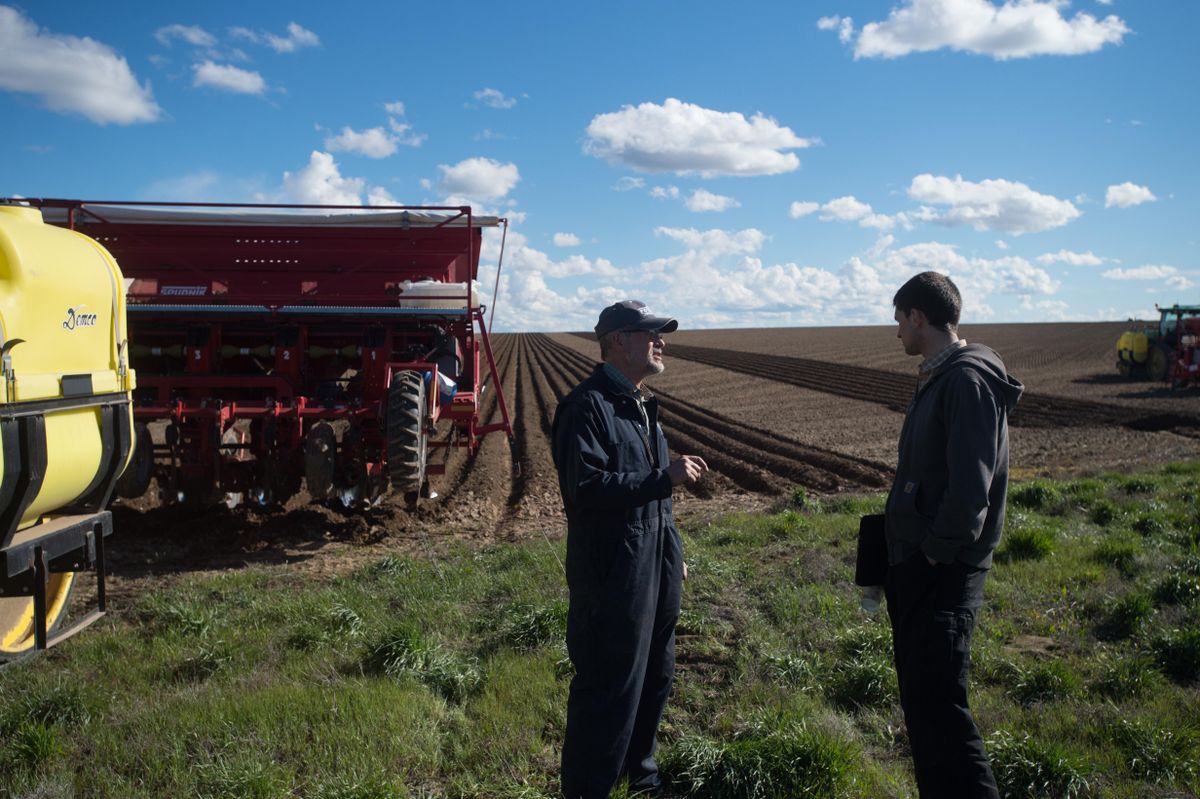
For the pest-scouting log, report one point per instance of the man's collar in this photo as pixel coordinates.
(624, 384)
(941, 356)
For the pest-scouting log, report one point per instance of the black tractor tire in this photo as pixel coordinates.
(406, 437)
(135, 480)
(1158, 364)
(320, 456)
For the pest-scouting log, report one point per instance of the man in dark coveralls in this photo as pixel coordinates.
(624, 557)
(944, 516)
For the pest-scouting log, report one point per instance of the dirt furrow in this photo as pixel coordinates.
(757, 460)
(894, 390)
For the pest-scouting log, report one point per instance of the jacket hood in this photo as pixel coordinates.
(987, 362)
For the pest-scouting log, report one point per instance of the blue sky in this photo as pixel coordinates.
(787, 164)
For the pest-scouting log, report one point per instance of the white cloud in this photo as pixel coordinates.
(478, 179)
(843, 25)
(228, 78)
(1014, 29)
(991, 204)
(566, 240)
(1001, 244)
(1145, 272)
(321, 183)
(851, 209)
(71, 74)
(373, 142)
(1073, 258)
(495, 98)
(716, 242)
(688, 139)
(395, 109)
(296, 38)
(702, 200)
(192, 34)
(629, 184)
(665, 192)
(1125, 195)
(404, 134)
(1179, 283)
(799, 209)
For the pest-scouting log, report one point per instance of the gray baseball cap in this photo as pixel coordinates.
(632, 315)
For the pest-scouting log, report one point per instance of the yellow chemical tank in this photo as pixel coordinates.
(1133, 347)
(65, 416)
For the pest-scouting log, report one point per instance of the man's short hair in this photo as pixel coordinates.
(605, 343)
(934, 295)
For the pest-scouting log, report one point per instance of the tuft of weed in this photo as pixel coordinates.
(1104, 512)
(1119, 552)
(1027, 768)
(863, 675)
(1029, 542)
(857, 505)
(527, 627)
(176, 616)
(339, 623)
(1157, 754)
(866, 682)
(32, 747)
(355, 788)
(800, 499)
(240, 778)
(792, 762)
(209, 658)
(1124, 616)
(63, 704)
(1035, 495)
(402, 652)
(790, 670)
(1086, 490)
(1177, 588)
(1126, 678)
(1045, 682)
(389, 566)
(1151, 524)
(1139, 484)
(1178, 653)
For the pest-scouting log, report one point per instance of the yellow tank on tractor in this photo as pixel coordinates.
(1150, 351)
(66, 423)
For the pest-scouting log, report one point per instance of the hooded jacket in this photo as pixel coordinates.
(951, 483)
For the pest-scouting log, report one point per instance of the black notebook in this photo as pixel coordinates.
(871, 565)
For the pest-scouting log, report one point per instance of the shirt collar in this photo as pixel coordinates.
(624, 383)
(940, 357)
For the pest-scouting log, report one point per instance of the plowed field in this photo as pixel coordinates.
(767, 409)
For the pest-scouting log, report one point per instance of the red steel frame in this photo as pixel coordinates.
(261, 318)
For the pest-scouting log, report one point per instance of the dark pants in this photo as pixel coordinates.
(622, 643)
(933, 610)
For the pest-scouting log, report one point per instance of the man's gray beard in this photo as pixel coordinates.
(655, 367)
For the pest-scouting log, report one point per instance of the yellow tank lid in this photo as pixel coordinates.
(23, 212)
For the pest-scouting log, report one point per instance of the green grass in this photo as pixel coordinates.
(445, 673)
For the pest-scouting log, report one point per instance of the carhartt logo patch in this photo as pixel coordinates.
(909, 486)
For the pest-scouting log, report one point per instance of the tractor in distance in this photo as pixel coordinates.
(1151, 351)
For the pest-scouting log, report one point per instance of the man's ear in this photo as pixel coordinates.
(917, 318)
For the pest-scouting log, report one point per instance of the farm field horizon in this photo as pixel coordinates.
(818, 408)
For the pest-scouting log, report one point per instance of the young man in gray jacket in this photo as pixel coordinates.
(944, 517)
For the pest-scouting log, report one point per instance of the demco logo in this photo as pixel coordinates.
(76, 317)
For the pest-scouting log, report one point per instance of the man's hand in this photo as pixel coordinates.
(686, 469)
